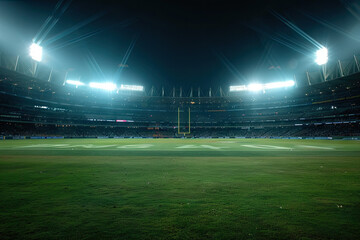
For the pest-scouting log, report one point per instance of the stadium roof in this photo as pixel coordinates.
(182, 42)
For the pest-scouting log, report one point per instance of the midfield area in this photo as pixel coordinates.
(181, 147)
(182, 144)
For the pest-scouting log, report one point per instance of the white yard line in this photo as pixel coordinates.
(210, 147)
(44, 146)
(267, 147)
(316, 147)
(188, 146)
(136, 146)
(199, 146)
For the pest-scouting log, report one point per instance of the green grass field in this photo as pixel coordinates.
(179, 189)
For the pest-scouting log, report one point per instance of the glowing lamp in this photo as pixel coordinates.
(322, 56)
(36, 52)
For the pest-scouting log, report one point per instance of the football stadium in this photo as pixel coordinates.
(139, 120)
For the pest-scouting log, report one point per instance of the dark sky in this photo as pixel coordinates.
(182, 43)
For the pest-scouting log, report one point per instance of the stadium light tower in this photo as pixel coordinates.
(131, 87)
(36, 52)
(105, 86)
(321, 56)
(255, 87)
(75, 82)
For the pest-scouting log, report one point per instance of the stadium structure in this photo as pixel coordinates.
(88, 156)
(39, 102)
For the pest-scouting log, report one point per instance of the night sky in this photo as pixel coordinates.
(182, 43)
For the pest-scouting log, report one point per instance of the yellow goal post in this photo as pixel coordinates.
(179, 132)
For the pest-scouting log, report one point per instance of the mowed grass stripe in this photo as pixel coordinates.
(163, 153)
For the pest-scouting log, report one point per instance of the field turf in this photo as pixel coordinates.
(179, 189)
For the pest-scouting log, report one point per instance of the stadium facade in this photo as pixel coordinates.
(37, 102)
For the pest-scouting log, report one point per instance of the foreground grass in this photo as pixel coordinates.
(168, 197)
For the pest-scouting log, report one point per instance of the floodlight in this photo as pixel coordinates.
(131, 87)
(36, 52)
(105, 86)
(75, 82)
(321, 56)
(255, 87)
(273, 85)
(289, 83)
(238, 88)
